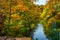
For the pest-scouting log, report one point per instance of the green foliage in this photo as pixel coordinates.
(20, 19)
(53, 32)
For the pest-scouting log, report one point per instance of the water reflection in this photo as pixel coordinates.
(38, 33)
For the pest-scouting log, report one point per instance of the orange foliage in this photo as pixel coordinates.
(36, 8)
(23, 8)
(50, 21)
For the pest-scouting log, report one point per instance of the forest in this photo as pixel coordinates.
(19, 18)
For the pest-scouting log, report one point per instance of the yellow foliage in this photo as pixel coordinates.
(16, 16)
(50, 21)
(18, 6)
(44, 13)
(58, 13)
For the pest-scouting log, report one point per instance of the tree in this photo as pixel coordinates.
(20, 17)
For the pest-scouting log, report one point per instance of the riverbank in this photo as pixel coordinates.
(17, 38)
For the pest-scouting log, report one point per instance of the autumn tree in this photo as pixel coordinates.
(21, 17)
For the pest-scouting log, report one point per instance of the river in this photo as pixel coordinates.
(38, 33)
